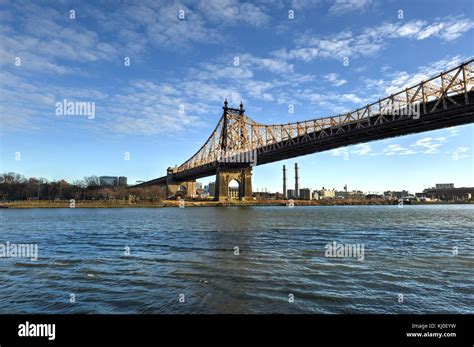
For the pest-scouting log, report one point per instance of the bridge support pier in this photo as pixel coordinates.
(225, 175)
(174, 188)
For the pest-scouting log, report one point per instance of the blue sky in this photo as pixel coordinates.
(163, 107)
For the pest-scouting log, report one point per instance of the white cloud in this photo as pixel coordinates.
(302, 4)
(460, 153)
(393, 149)
(276, 66)
(397, 149)
(339, 152)
(396, 81)
(305, 54)
(337, 102)
(343, 6)
(449, 30)
(260, 90)
(427, 145)
(362, 149)
(452, 132)
(334, 79)
(352, 98)
(372, 40)
(233, 12)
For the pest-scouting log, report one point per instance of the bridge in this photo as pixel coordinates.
(238, 143)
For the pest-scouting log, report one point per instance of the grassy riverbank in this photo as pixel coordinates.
(201, 203)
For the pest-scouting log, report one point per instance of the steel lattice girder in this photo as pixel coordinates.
(236, 131)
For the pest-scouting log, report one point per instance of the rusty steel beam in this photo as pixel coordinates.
(236, 132)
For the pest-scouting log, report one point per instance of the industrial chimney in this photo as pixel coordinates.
(284, 182)
(297, 182)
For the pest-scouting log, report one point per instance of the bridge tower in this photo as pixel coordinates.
(185, 189)
(233, 139)
(225, 175)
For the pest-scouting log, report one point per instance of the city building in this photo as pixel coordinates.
(108, 181)
(315, 195)
(290, 193)
(112, 181)
(266, 195)
(422, 197)
(306, 194)
(395, 194)
(198, 185)
(355, 194)
(212, 188)
(447, 192)
(327, 193)
(372, 196)
(444, 185)
(122, 181)
(280, 196)
(342, 194)
(202, 194)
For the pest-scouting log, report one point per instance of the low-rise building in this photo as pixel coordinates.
(373, 196)
(444, 185)
(355, 194)
(447, 192)
(315, 195)
(266, 195)
(202, 194)
(306, 194)
(395, 194)
(327, 193)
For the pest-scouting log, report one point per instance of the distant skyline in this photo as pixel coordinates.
(157, 73)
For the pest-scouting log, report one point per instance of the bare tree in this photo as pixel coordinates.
(92, 181)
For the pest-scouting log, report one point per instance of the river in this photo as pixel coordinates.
(415, 259)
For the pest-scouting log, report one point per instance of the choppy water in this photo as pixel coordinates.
(190, 251)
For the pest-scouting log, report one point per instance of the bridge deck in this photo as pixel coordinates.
(363, 131)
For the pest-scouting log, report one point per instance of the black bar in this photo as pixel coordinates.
(260, 329)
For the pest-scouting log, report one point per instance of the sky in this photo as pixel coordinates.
(157, 73)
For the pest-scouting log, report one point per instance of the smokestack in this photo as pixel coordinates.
(284, 182)
(297, 182)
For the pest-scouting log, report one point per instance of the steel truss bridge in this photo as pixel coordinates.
(444, 100)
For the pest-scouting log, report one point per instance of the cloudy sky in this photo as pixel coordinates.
(158, 72)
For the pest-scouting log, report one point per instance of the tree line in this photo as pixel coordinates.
(14, 186)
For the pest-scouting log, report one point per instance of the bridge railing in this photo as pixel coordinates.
(442, 87)
(240, 132)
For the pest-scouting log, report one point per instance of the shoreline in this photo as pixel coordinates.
(204, 203)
